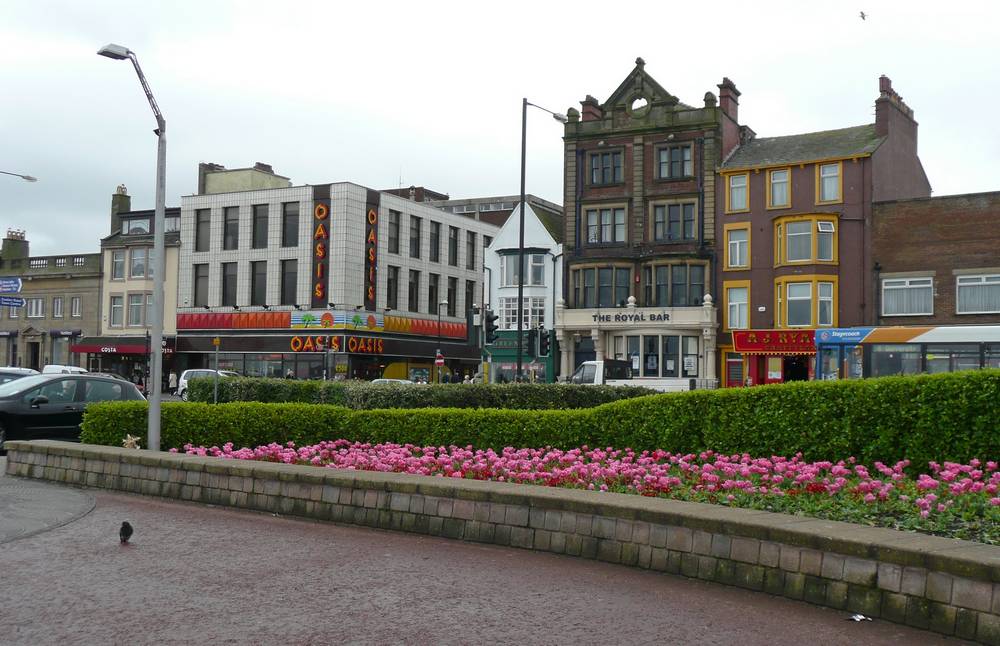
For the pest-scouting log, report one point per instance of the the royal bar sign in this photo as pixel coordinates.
(775, 341)
(320, 245)
(371, 250)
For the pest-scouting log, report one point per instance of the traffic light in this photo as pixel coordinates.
(490, 326)
(544, 342)
(532, 334)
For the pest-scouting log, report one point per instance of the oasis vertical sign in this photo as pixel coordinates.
(320, 246)
(371, 250)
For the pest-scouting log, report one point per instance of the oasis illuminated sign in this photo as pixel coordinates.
(320, 251)
(371, 250)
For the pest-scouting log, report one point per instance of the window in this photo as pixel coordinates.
(135, 304)
(38, 263)
(75, 307)
(229, 279)
(289, 280)
(392, 288)
(738, 248)
(689, 361)
(393, 231)
(470, 249)
(674, 162)
(487, 241)
(201, 285)
(674, 222)
(470, 294)
(290, 224)
(453, 246)
(678, 285)
(606, 168)
(78, 261)
(650, 356)
(117, 310)
(603, 286)
(202, 229)
(231, 228)
(799, 241)
(796, 243)
(737, 198)
(799, 312)
(509, 275)
(136, 226)
(532, 313)
(978, 294)
(57, 307)
(14, 314)
(35, 307)
(907, 296)
(452, 295)
(137, 268)
(537, 273)
(435, 250)
(415, 226)
(259, 226)
(172, 223)
(413, 292)
(824, 240)
(118, 264)
(778, 195)
(737, 305)
(606, 225)
(433, 292)
(828, 183)
(825, 311)
(258, 282)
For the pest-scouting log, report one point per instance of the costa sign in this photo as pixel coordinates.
(371, 250)
(320, 250)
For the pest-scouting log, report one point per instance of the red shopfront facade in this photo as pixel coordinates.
(774, 356)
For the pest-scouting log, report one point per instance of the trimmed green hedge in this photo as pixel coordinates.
(929, 417)
(361, 395)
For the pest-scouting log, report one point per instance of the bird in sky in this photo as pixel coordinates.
(863, 15)
(125, 532)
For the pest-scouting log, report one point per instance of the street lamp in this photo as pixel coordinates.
(119, 53)
(561, 118)
(27, 178)
(443, 303)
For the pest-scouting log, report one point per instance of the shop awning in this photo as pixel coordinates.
(783, 342)
(117, 345)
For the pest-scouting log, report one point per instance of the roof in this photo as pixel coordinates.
(553, 223)
(811, 146)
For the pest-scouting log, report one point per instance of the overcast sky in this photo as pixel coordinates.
(429, 93)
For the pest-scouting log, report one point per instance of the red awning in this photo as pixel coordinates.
(774, 341)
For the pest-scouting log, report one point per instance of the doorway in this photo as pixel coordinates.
(34, 352)
(796, 368)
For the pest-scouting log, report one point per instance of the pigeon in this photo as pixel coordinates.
(125, 532)
(859, 617)
(863, 15)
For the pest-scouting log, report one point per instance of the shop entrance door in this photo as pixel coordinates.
(797, 368)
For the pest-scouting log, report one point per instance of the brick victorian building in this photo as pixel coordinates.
(794, 231)
(640, 173)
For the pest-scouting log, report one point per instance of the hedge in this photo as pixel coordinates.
(361, 395)
(929, 417)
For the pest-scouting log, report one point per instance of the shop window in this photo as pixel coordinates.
(671, 355)
(650, 356)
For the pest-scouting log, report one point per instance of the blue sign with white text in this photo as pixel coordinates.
(11, 301)
(10, 285)
(843, 335)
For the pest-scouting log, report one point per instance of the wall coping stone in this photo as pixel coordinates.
(953, 556)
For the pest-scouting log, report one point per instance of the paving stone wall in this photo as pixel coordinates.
(947, 586)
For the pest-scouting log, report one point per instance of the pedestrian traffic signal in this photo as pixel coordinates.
(490, 326)
(544, 342)
(532, 334)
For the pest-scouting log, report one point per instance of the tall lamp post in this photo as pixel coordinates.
(117, 52)
(561, 118)
(443, 303)
(27, 178)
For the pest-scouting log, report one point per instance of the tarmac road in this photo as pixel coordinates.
(196, 574)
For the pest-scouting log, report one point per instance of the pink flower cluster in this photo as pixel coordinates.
(708, 475)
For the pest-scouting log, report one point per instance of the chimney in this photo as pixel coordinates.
(264, 168)
(591, 109)
(204, 169)
(890, 111)
(120, 203)
(14, 247)
(729, 99)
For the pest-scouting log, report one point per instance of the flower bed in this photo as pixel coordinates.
(949, 499)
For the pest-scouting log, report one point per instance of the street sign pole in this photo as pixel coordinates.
(215, 390)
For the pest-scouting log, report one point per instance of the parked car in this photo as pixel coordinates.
(187, 375)
(113, 375)
(50, 407)
(11, 373)
(54, 368)
(391, 381)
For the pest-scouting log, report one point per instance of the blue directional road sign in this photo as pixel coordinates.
(11, 301)
(10, 285)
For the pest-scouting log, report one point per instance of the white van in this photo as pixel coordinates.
(55, 369)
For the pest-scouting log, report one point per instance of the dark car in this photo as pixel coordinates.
(50, 407)
(10, 374)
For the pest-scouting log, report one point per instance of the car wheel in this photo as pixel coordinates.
(184, 395)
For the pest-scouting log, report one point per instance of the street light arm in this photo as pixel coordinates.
(161, 123)
(27, 178)
(561, 118)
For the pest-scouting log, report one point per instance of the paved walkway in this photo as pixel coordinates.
(28, 507)
(200, 574)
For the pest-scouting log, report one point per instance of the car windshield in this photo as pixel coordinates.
(22, 384)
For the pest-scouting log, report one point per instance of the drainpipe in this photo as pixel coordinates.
(701, 192)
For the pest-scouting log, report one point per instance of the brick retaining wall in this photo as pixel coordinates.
(945, 585)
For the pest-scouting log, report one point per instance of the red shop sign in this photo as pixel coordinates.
(775, 341)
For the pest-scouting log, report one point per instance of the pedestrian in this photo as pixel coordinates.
(289, 374)
(467, 380)
(172, 383)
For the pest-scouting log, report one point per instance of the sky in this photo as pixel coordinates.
(389, 94)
